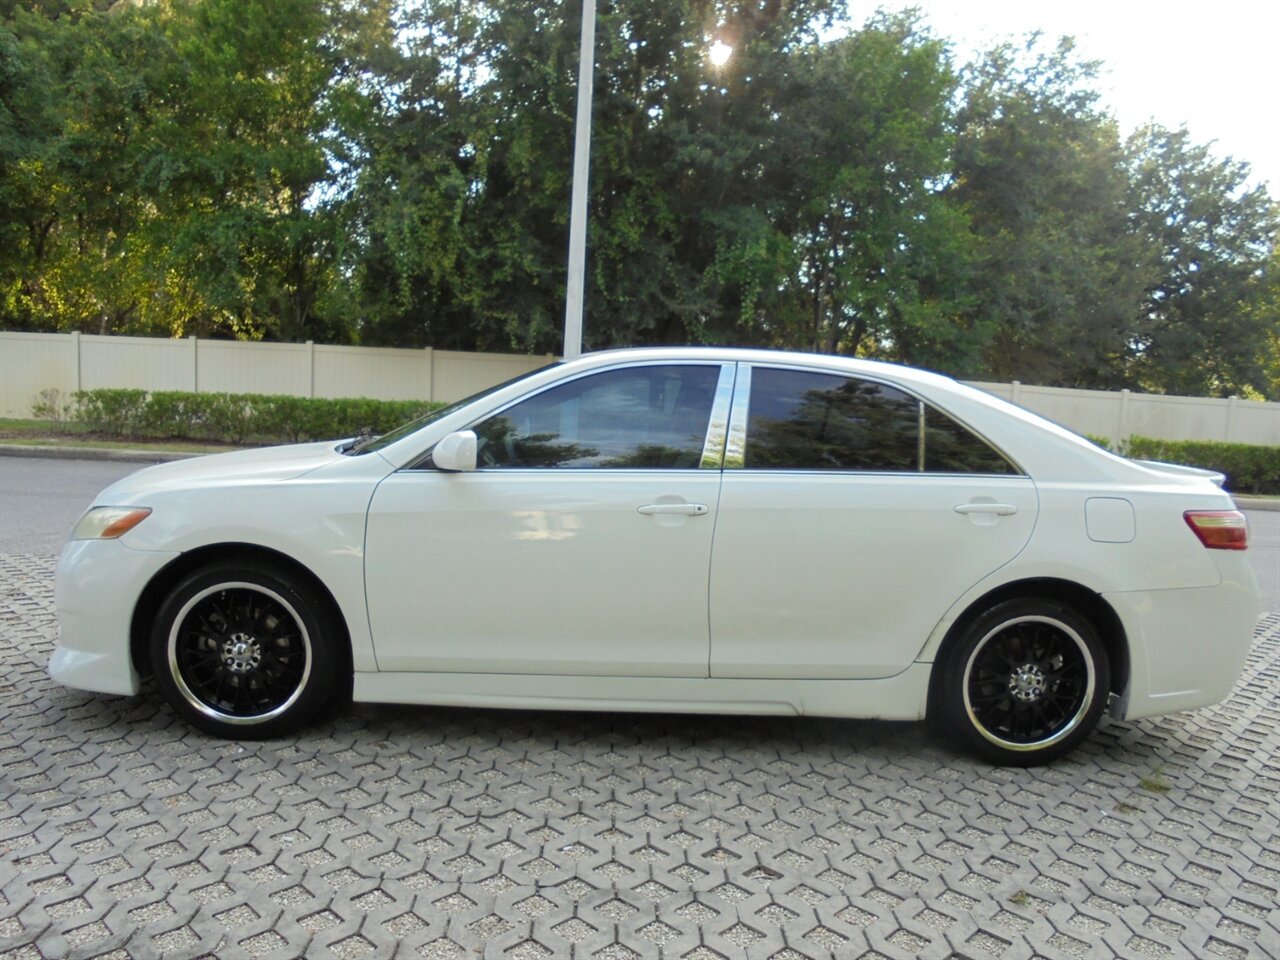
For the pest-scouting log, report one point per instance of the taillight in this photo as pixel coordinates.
(1219, 529)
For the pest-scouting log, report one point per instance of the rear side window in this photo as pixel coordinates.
(817, 421)
(799, 420)
(952, 448)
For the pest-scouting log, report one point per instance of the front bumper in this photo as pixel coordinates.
(96, 588)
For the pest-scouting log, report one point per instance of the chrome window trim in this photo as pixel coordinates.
(713, 449)
(920, 433)
(871, 474)
(738, 425)
(735, 448)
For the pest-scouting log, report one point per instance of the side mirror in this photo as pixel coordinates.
(456, 452)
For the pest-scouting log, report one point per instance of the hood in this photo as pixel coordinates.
(265, 464)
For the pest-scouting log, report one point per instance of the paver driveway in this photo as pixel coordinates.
(421, 832)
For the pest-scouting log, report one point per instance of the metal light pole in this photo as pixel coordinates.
(578, 203)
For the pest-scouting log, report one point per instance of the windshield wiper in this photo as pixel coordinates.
(362, 441)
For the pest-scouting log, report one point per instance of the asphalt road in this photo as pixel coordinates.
(40, 501)
(1264, 551)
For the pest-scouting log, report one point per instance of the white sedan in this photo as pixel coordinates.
(720, 531)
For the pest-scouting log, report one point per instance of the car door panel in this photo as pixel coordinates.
(581, 547)
(845, 576)
(852, 516)
(527, 572)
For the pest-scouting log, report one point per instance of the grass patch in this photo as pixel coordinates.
(68, 433)
(1156, 781)
(39, 427)
(41, 433)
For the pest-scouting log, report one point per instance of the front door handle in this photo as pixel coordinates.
(674, 509)
(999, 509)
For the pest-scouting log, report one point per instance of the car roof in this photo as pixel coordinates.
(762, 355)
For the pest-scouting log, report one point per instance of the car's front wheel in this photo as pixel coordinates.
(1024, 683)
(242, 651)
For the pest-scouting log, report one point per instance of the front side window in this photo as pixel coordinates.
(413, 426)
(799, 420)
(637, 417)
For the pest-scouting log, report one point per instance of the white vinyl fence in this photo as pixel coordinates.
(1120, 414)
(32, 362)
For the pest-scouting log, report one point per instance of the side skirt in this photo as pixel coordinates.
(901, 697)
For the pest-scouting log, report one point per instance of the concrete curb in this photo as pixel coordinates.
(92, 453)
(1269, 504)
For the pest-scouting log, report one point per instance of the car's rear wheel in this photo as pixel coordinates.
(1024, 683)
(242, 651)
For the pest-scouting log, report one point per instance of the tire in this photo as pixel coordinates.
(1024, 683)
(245, 652)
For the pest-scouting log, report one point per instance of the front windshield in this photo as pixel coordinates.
(399, 433)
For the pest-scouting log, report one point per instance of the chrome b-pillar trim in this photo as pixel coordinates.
(921, 426)
(735, 448)
(718, 426)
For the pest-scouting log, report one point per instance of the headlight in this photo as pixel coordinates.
(107, 523)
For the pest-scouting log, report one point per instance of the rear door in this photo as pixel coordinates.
(852, 516)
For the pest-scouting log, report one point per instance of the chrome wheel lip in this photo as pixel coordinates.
(194, 701)
(1087, 701)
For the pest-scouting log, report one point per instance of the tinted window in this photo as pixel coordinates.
(640, 417)
(952, 448)
(400, 432)
(819, 421)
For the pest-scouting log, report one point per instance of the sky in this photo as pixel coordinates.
(1211, 65)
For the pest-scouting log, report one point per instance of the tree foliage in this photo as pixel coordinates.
(398, 172)
(161, 170)
(1040, 170)
(1210, 316)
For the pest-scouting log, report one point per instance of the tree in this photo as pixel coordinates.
(469, 234)
(1040, 171)
(239, 164)
(1209, 315)
(398, 172)
(75, 102)
(1265, 312)
(165, 168)
(881, 256)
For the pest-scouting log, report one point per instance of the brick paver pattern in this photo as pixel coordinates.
(423, 832)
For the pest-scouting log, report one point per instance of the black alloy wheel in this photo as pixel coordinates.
(1025, 682)
(240, 651)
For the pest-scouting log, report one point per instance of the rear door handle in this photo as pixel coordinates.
(999, 509)
(674, 509)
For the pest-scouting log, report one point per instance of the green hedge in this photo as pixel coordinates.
(1250, 468)
(237, 417)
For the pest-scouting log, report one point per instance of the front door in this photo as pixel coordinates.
(580, 546)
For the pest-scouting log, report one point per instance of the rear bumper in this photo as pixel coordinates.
(1186, 647)
(96, 588)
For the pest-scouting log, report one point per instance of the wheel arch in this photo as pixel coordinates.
(1080, 598)
(153, 595)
